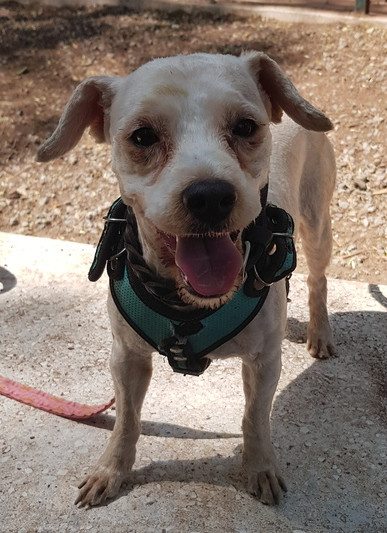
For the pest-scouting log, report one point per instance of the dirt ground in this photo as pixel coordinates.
(45, 52)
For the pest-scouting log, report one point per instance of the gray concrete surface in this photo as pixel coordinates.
(328, 417)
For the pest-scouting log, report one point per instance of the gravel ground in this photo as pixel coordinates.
(45, 52)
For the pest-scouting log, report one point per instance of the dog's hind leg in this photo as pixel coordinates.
(131, 370)
(316, 235)
(317, 247)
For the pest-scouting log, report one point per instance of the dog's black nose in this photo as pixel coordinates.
(210, 201)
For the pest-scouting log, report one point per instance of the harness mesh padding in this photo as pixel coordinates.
(154, 327)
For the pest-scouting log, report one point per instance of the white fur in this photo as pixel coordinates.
(192, 102)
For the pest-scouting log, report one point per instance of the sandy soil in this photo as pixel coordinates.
(45, 52)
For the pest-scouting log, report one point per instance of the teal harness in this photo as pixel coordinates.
(184, 334)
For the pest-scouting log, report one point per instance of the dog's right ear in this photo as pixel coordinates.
(89, 105)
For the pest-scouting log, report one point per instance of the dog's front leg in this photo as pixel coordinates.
(131, 373)
(260, 378)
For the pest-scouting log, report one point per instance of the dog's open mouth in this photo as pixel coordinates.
(209, 264)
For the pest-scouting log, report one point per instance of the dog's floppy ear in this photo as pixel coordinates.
(283, 95)
(89, 105)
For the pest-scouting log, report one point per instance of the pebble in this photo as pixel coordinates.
(43, 201)
(360, 184)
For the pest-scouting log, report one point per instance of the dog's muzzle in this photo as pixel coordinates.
(208, 257)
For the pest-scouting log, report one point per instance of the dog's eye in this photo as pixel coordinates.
(144, 137)
(245, 128)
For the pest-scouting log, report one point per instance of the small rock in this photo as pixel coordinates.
(43, 201)
(360, 184)
(14, 195)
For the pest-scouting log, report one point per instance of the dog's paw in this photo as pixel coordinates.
(102, 484)
(267, 486)
(320, 342)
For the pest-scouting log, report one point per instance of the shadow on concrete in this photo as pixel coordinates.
(328, 452)
(220, 471)
(161, 429)
(329, 421)
(377, 294)
(327, 399)
(7, 280)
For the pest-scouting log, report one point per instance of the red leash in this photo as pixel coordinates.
(48, 402)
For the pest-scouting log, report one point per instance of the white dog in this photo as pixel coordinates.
(195, 141)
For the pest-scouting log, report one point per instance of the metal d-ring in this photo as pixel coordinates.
(259, 279)
(113, 259)
(114, 219)
(245, 259)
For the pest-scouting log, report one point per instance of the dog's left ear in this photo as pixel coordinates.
(88, 106)
(283, 95)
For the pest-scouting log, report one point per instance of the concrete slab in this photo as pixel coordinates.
(328, 417)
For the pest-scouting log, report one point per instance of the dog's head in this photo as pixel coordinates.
(191, 148)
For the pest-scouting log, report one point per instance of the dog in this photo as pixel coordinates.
(195, 140)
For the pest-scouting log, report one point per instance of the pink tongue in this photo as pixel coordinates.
(211, 264)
